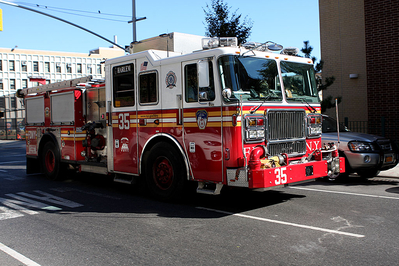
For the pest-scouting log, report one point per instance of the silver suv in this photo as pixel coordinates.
(364, 154)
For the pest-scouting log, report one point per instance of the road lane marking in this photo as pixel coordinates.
(22, 202)
(284, 223)
(346, 193)
(15, 155)
(13, 162)
(17, 256)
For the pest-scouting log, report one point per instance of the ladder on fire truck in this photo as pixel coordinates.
(59, 86)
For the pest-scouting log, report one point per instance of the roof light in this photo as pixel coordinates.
(263, 47)
(290, 51)
(209, 43)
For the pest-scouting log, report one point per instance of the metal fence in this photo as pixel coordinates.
(388, 128)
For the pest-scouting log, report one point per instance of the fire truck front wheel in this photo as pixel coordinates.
(50, 160)
(165, 172)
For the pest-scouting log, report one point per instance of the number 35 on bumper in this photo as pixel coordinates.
(281, 176)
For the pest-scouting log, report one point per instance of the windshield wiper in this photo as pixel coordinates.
(256, 109)
(311, 108)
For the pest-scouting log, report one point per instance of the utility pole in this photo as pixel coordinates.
(134, 20)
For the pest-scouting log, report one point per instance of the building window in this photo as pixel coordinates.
(12, 84)
(79, 68)
(35, 66)
(69, 68)
(1, 65)
(98, 69)
(24, 68)
(47, 66)
(24, 83)
(13, 102)
(1, 86)
(58, 67)
(89, 69)
(12, 65)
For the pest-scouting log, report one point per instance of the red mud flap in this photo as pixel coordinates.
(292, 173)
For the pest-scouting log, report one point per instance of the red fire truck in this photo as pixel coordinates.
(227, 115)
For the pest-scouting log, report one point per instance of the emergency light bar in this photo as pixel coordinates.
(290, 51)
(263, 47)
(214, 42)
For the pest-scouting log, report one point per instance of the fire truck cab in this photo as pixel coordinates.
(227, 115)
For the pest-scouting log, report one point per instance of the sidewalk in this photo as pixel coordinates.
(394, 172)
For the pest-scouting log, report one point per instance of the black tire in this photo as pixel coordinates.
(165, 172)
(50, 161)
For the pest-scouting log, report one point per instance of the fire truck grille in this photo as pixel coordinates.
(285, 132)
(291, 148)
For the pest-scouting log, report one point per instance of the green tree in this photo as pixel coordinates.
(219, 23)
(327, 102)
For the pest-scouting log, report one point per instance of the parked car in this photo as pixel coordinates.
(364, 154)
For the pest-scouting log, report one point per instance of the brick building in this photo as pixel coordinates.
(358, 44)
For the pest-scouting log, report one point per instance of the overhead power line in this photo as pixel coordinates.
(60, 19)
(65, 11)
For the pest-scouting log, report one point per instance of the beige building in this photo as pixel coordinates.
(20, 68)
(343, 49)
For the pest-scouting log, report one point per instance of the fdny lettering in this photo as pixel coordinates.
(313, 145)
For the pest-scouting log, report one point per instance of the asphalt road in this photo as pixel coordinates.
(88, 220)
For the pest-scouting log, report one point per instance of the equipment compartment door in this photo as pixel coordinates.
(202, 124)
(124, 118)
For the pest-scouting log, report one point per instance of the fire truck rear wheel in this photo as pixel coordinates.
(50, 161)
(165, 172)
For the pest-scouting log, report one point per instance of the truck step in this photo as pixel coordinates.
(209, 189)
(125, 179)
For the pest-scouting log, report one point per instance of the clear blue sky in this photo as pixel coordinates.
(288, 22)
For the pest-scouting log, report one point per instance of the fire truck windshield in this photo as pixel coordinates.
(257, 79)
(299, 82)
(251, 78)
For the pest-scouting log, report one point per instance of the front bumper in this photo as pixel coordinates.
(284, 175)
(292, 173)
(371, 160)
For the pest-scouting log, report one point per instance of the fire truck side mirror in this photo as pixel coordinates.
(203, 73)
(19, 93)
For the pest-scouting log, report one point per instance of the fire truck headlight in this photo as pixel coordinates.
(314, 126)
(261, 134)
(254, 128)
